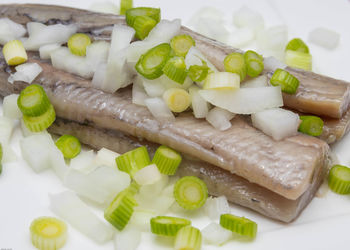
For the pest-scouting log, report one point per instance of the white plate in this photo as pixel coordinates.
(323, 224)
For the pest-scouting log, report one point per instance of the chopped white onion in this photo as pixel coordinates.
(26, 132)
(10, 108)
(127, 239)
(169, 84)
(216, 206)
(46, 50)
(219, 118)
(245, 100)
(101, 185)
(140, 219)
(241, 37)
(68, 206)
(272, 41)
(248, 18)
(160, 204)
(99, 75)
(34, 28)
(326, 38)
(42, 35)
(106, 157)
(159, 109)
(9, 30)
(147, 175)
(154, 88)
(211, 13)
(153, 190)
(58, 163)
(84, 162)
(26, 72)
(97, 53)
(105, 7)
(277, 123)
(213, 29)
(63, 59)
(200, 106)
(215, 234)
(195, 57)
(271, 63)
(9, 154)
(6, 128)
(260, 81)
(139, 94)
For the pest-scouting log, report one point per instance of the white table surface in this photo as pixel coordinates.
(323, 224)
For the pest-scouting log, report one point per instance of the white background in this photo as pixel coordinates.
(324, 223)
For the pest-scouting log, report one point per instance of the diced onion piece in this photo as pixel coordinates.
(9, 30)
(140, 219)
(298, 60)
(272, 41)
(190, 192)
(41, 122)
(134, 160)
(69, 145)
(178, 100)
(48, 34)
(195, 57)
(248, 18)
(211, 13)
(339, 179)
(77, 44)
(143, 25)
(241, 37)
(188, 238)
(131, 14)
(271, 64)
(222, 81)
(181, 44)
(104, 7)
(106, 157)
(289, 84)
(48, 233)
(6, 128)
(311, 125)
(57, 162)
(235, 63)
(99, 75)
(84, 162)
(245, 100)
(26, 72)
(216, 234)
(175, 69)
(277, 123)
(0, 158)
(326, 38)
(133, 188)
(33, 100)
(214, 29)
(128, 239)
(139, 95)
(10, 108)
(297, 44)
(219, 118)
(167, 225)
(34, 28)
(167, 160)
(159, 109)
(239, 225)
(97, 53)
(260, 81)
(120, 210)
(215, 206)
(100, 185)
(155, 189)
(68, 206)
(199, 105)
(9, 154)
(14, 53)
(46, 50)
(153, 88)
(147, 175)
(169, 84)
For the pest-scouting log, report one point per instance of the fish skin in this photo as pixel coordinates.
(317, 94)
(219, 182)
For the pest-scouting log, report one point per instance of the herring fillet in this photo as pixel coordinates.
(220, 182)
(317, 94)
(285, 167)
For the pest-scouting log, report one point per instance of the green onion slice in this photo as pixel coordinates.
(181, 44)
(298, 60)
(167, 225)
(14, 53)
(175, 69)
(198, 73)
(133, 188)
(125, 5)
(48, 233)
(167, 160)
(190, 192)
(77, 44)
(235, 63)
(69, 146)
(239, 225)
(188, 238)
(134, 160)
(41, 122)
(150, 65)
(339, 179)
(289, 84)
(222, 80)
(33, 100)
(132, 13)
(297, 44)
(311, 125)
(143, 25)
(250, 54)
(254, 67)
(0, 158)
(119, 212)
(178, 100)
